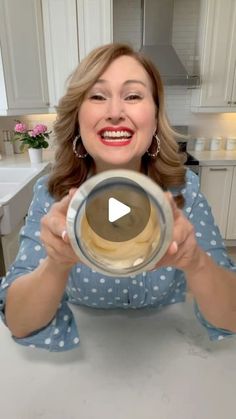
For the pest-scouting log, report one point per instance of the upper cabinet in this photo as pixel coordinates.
(23, 54)
(61, 44)
(42, 41)
(71, 30)
(95, 24)
(217, 54)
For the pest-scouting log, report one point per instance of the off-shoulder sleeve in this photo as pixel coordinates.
(209, 239)
(61, 333)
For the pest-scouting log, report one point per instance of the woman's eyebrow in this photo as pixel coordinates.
(135, 81)
(126, 82)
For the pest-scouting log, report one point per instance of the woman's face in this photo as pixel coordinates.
(117, 118)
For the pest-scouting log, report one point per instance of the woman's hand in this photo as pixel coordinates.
(183, 252)
(54, 236)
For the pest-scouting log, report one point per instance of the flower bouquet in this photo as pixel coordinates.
(31, 138)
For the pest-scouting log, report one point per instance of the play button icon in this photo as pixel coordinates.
(119, 223)
(116, 210)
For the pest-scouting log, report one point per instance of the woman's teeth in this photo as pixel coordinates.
(116, 134)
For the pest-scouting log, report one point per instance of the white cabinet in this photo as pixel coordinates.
(231, 229)
(23, 55)
(9, 246)
(218, 184)
(72, 28)
(61, 40)
(95, 24)
(217, 53)
(3, 94)
(42, 42)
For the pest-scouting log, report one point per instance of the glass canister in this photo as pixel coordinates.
(200, 144)
(231, 143)
(120, 223)
(215, 143)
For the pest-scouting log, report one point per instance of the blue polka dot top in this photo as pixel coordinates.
(153, 289)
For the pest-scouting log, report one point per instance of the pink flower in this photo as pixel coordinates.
(40, 128)
(32, 133)
(37, 130)
(20, 128)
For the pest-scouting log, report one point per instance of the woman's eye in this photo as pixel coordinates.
(97, 97)
(133, 97)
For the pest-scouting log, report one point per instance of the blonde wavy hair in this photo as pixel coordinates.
(69, 171)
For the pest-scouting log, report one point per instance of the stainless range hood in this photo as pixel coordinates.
(157, 22)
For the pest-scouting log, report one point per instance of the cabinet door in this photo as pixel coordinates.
(231, 228)
(3, 94)
(61, 40)
(95, 22)
(234, 86)
(9, 248)
(218, 53)
(216, 186)
(23, 56)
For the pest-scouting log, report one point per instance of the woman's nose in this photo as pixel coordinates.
(115, 110)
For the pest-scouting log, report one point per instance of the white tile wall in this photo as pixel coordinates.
(185, 30)
(127, 28)
(127, 22)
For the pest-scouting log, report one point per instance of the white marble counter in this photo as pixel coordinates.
(23, 159)
(137, 364)
(215, 158)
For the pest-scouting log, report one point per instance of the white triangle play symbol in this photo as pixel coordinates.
(116, 210)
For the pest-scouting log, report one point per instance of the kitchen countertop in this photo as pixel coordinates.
(23, 159)
(215, 158)
(206, 158)
(140, 364)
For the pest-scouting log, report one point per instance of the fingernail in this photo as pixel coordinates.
(175, 246)
(63, 235)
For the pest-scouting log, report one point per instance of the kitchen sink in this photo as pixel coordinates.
(16, 189)
(12, 180)
(7, 189)
(16, 174)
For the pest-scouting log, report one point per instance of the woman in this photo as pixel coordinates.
(112, 116)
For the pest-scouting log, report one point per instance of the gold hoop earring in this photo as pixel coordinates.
(158, 147)
(75, 146)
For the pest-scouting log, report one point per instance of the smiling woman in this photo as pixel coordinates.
(117, 119)
(115, 89)
(113, 116)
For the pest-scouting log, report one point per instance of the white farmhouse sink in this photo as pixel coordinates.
(16, 186)
(16, 174)
(12, 179)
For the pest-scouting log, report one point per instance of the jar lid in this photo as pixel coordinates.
(119, 223)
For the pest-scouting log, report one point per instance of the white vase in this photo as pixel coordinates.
(35, 155)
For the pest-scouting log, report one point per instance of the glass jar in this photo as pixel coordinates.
(120, 223)
(200, 144)
(231, 143)
(215, 143)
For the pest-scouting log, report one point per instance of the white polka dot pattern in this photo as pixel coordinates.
(87, 287)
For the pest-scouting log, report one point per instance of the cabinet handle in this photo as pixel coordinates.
(234, 103)
(229, 102)
(218, 169)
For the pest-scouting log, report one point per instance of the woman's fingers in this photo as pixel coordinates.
(56, 248)
(183, 244)
(54, 233)
(55, 220)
